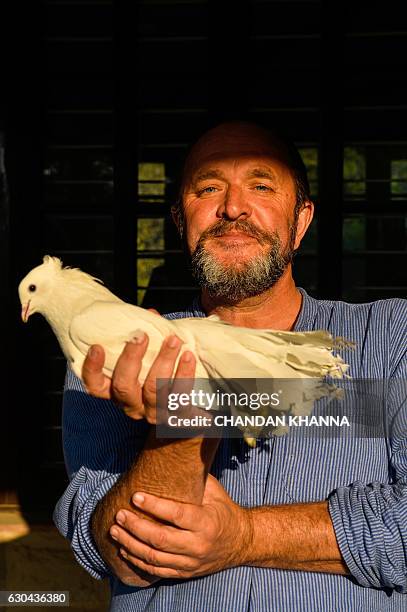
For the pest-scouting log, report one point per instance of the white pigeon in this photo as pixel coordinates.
(82, 312)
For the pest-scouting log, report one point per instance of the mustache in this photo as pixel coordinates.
(241, 225)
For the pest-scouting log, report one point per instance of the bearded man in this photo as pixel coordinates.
(294, 524)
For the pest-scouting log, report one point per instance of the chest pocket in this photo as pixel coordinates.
(313, 467)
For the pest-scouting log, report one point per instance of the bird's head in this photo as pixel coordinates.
(35, 290)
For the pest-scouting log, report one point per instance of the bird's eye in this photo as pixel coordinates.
(32, 288)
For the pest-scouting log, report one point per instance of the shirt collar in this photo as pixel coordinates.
(306, 316)
(196, 307)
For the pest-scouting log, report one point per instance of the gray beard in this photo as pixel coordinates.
(233, 283)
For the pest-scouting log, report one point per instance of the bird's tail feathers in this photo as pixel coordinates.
(263, 353)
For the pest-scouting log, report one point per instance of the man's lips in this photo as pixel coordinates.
(235, 237)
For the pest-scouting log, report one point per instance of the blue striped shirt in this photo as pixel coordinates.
(364, 480)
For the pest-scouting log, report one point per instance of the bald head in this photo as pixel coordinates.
(241, 139)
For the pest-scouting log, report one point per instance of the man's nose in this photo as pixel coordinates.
(234, 205)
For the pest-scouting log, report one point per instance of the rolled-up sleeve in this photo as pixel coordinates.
(370, 523)
(370, 520)
(73, 513)
(100, 443)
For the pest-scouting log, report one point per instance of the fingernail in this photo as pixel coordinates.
(121, 517)
(114, 533)
(187, 356)
(123, 553)
(139, 339)
(93, 352)
(138, 499)
(173, 341)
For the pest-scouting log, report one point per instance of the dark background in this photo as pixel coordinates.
(98, 104)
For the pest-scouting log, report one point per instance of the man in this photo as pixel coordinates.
(293, 524)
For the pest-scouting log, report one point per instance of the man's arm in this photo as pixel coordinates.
(219, 534)
(175, 469)
(295, 537)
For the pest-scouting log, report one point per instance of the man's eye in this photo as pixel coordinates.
(209, 189)
(262, 188)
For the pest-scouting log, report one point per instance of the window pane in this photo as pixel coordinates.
(150, 234)
(354, 172)
(399, 178)
(145, 269)
(375, 256)
(151, 181)
(375, 233)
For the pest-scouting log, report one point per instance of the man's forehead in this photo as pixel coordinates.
(249, 162)
(236, 136)
(239, 144)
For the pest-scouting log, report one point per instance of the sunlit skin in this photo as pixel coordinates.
(233, 173)
(255, 185)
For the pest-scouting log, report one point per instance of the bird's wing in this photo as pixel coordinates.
(229, 351)
(112, 324)
(246, 360)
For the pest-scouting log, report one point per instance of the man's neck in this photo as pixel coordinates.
(276, 308)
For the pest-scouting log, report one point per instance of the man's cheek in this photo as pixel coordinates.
(193, 235)
(192, 242)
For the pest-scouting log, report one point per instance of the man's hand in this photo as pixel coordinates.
(197, 540)
(200, 540)
(124, 387)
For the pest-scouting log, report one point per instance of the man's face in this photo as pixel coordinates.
(239, 201)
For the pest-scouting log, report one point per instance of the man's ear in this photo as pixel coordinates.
(178, 218)
(305, 217)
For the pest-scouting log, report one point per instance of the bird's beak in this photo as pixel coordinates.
(25, 311)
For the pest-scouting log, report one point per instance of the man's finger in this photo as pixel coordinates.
(162, 537)
(185, 375)
(125, 384)
(183, 384)
(180, 514)
(146, 553)
(162, 367)
(186, 366)
(96, 383)
(152, 570)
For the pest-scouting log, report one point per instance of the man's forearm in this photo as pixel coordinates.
(294, 537)
(174, 469)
